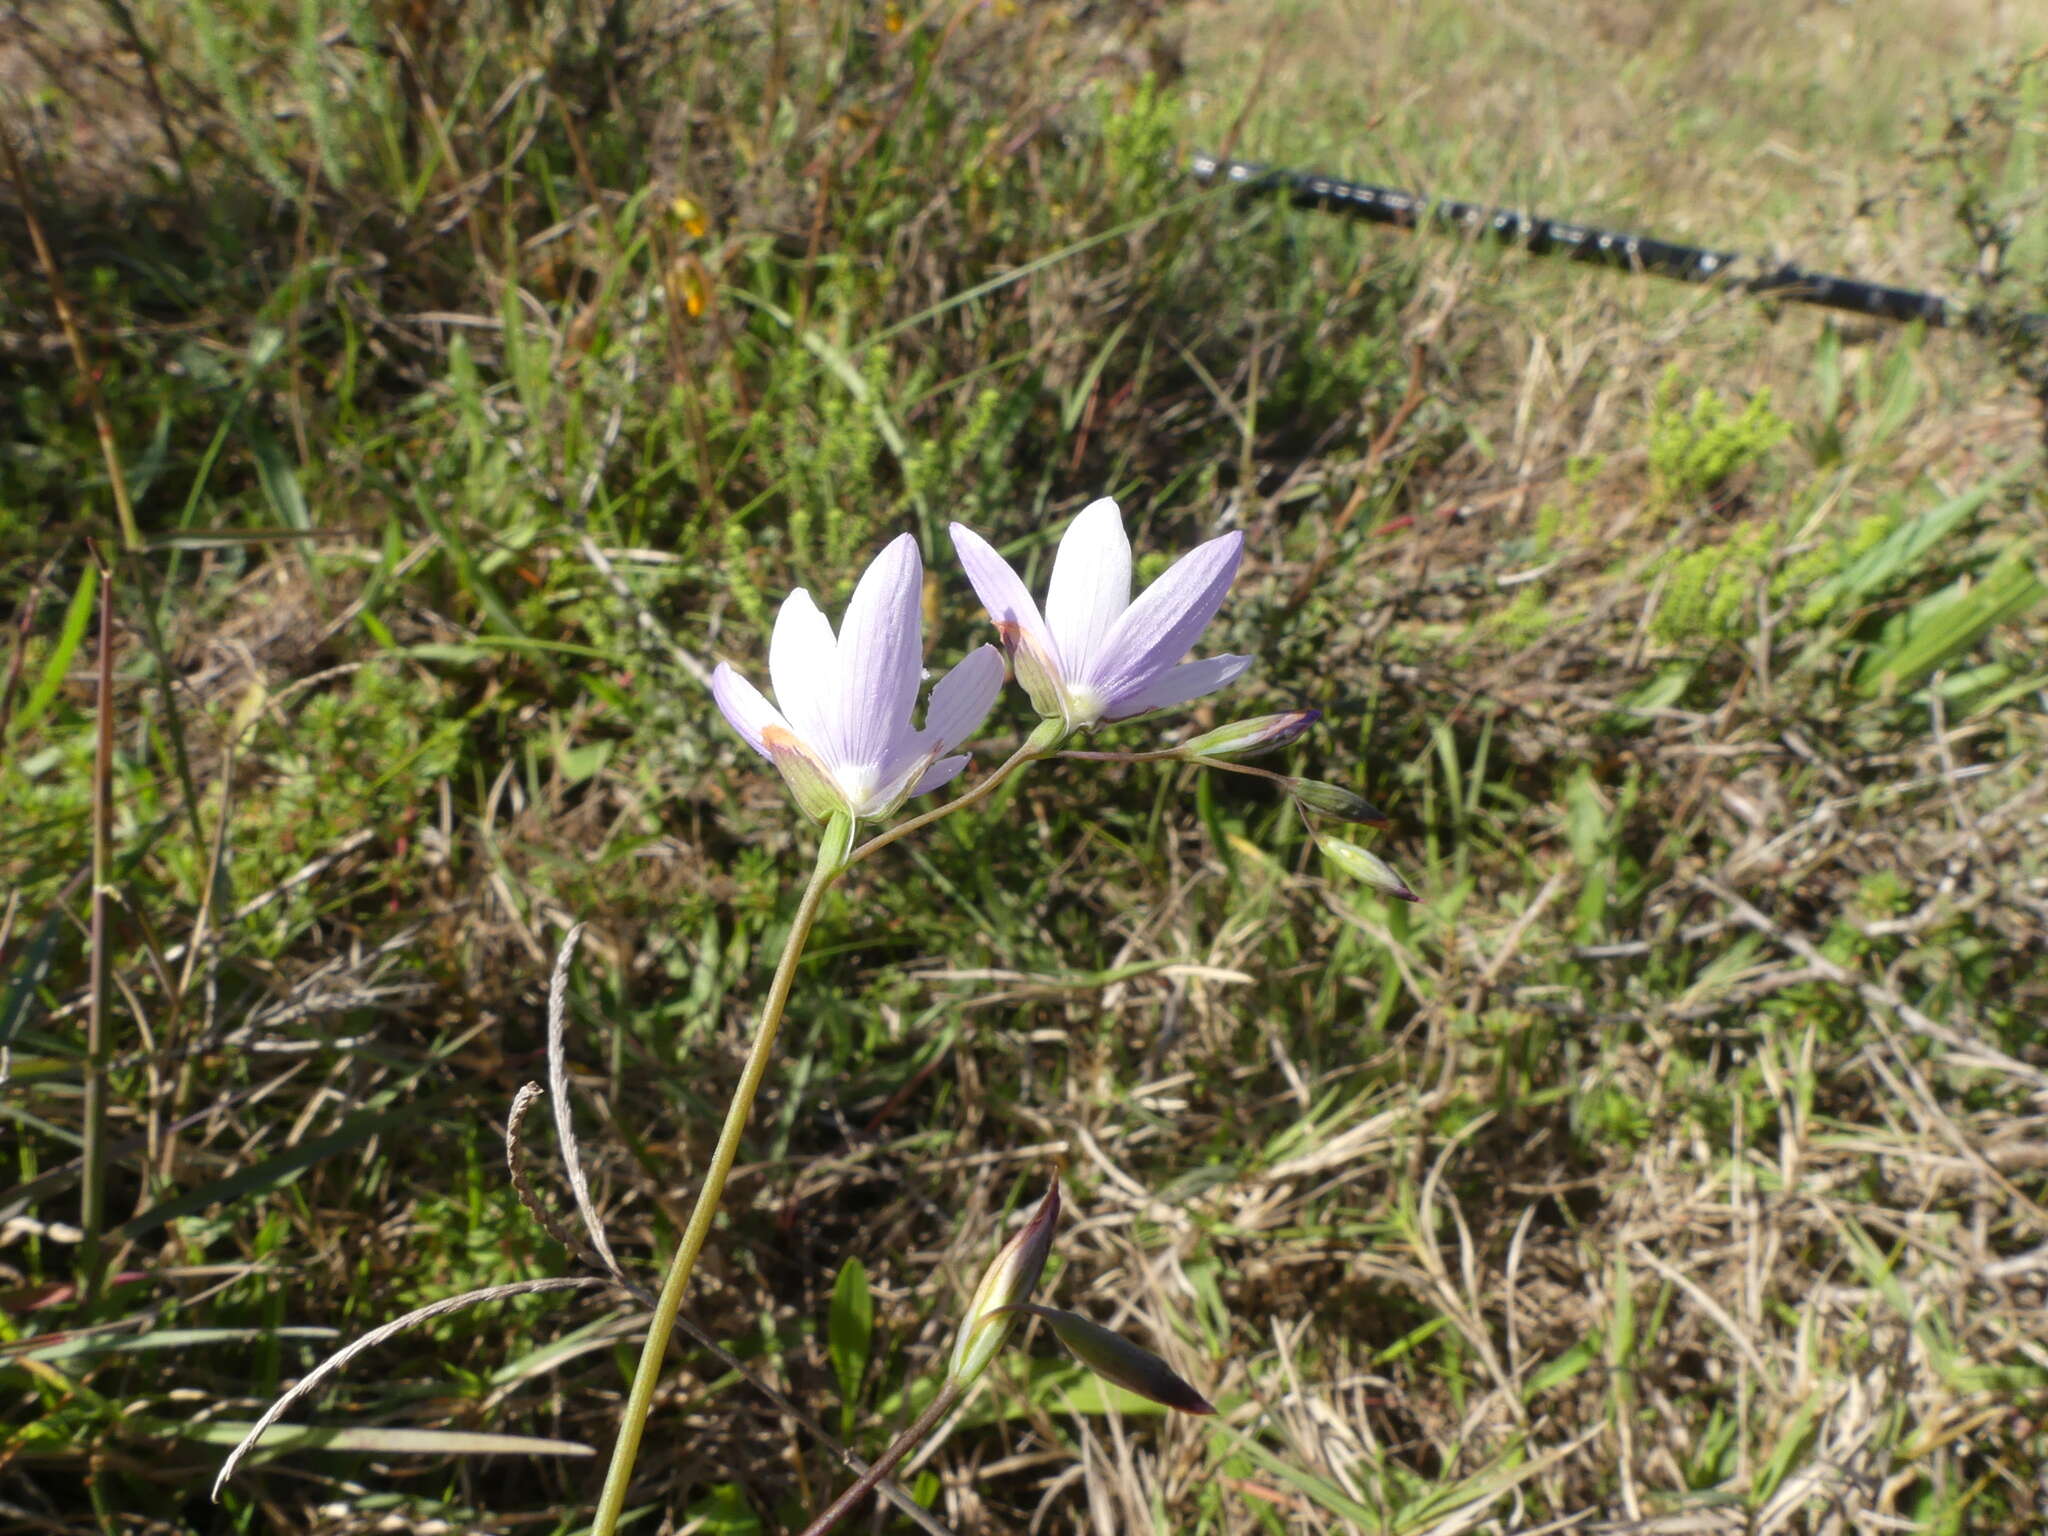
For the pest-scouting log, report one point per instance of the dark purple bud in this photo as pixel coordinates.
(1116, 1359)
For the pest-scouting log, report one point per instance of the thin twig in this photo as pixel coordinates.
(126, 18)
(376, 1336)
(24, 626)
(88, 380)
(117, 479)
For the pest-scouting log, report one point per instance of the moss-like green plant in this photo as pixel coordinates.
(1697, 448)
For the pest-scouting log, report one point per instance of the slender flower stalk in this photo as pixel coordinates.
(1094, 655)
(947, 1400)
(640, 1396)
(1037, 745)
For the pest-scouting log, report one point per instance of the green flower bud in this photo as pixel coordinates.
(1038, 673)
(1363, 865)
(1334, 800)
(1247, 738)
(1008, 1282)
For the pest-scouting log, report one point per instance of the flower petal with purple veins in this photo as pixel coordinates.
(1177, 685)
(1167, 619)
(1091, 585)
(1001, 593)
(941, 773)
(962, 698)
(879, 661)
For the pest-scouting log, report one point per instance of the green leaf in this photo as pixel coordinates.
(1555, 1373)
(1938, 629)
(166, 1338)
(850, 1334)
(58, 664)
(1902, 552)
(279, 477)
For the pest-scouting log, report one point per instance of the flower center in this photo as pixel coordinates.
(1083, 706)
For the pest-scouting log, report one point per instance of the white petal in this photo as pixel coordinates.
(1168, 618)
(881, 644)
(803, 660)
(1091, 584)
(1001, 593)
(944, 771)
(961, 699)
(743, 706)
(1189, 680)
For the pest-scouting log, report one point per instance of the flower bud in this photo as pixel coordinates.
(1007, 1284)
(1363, 865)
(1247, 738)
(1334, 800)
(1116, 1359)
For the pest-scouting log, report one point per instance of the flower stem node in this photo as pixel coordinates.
(842, 736)
(1249, 738)
(1007, 1283)
(1093, 655)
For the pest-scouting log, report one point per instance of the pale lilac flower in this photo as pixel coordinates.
(1094, 655)
(842, 737)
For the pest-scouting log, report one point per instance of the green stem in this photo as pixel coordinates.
(92, 1214)
(1038, 744)
(949, 1396)
(832, 861)
(1163, 755)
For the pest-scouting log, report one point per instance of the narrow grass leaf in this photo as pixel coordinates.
(279, 478)
(1940, 628)
(166, 1338)
(58, 663)
(268, 1174)
(410, 1442)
